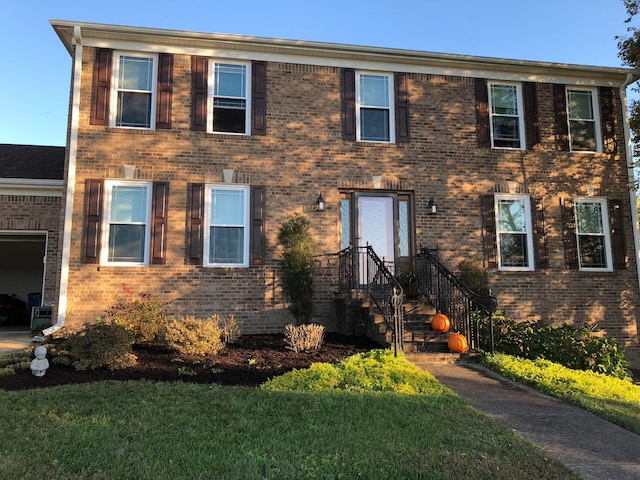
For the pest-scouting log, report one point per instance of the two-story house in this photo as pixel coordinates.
(187, 152)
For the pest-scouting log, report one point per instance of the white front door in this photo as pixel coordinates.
(376, 226)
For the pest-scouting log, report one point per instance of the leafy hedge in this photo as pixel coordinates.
(376, 370)
(580, 348)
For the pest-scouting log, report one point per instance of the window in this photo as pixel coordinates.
(226, 233)
(127, 227)
(593, 242)
(374, 118)
(228, 108)
(514, 233)
(133, 93)
(584, 128)
(507, 124)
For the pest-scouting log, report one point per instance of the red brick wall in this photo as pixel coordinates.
(303, 155)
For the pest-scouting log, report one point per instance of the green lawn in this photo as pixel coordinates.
(144, 430)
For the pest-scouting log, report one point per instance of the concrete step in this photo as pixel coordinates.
(439, 358)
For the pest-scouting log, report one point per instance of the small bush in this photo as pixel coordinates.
(304, 338)
(194, 336)
(377, 370)
(578, 348)
(229, 328)
(143, 315)
(101, 345)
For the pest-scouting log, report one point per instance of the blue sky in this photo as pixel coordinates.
(34, 85)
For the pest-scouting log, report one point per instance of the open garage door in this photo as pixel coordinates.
(22, 266)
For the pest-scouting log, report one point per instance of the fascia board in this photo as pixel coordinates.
(31, 187)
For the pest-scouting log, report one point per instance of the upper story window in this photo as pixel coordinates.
(593, 241)
(126, 226)
(226, 233)
(505, 109)
(374, 107)
(583, 116)
(228, 105)
(514, 233)
(133, 92)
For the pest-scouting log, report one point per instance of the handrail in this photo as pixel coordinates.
(361, 270)
(464, 307)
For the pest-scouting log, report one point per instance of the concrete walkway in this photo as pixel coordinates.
(14, 340)
(594, 448)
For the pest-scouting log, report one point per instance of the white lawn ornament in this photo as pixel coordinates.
(40, 364)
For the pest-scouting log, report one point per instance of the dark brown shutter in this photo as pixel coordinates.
(489, 239)
(607, 117)
(195, 214)
(569, 234)
(562, 125)
(617, 235)
(160, 201)
(257, 232)
(482, 114)
(258, 98)
(532, 130)
(93, 220)
(348, 104)
(199, 93)
(401, 83)
(539, 234)
(165, 89)
(101, 87)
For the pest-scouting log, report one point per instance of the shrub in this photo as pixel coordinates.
(377, 370)
(574, 347)
(297, 266)
(229, 328)
(303, 338)
(194, 336)
(101, 345)
(143, 315)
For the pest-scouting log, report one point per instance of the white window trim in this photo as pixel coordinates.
(520, 106)
(392, 116)
(528, 231)
(211, 90)
(605, 229)
(596, 115)
(207, 227)
(113, 100)
(108, 190)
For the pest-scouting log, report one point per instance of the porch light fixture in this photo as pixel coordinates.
(432, 208)
(320, 203)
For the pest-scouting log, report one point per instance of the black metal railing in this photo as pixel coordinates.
(362, 271)
(465, 308)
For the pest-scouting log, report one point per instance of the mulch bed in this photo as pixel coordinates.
(250, 361)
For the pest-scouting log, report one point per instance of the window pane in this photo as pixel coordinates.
(230, 80)
(126, 243)
(226, 245)
(227, 207)
(345, 216)
(511, 216)
(374, 125)
(135, 73)
(513, 250)
(583, 135)
(504, 99)
(134, 110)
(580, 105)
(589, 217)
(229, 120)
(506, 132)
(128, 204)
(374, 91)
(592, 251)
(403, 214)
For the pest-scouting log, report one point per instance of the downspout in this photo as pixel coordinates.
(71, 181)
(630, 170)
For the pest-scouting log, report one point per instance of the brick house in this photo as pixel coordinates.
(31, 180)
(187, 151)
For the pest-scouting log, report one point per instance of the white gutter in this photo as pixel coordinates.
(33, 187)
(630, 171)
(72, 151)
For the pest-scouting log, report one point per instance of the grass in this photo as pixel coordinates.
(145, 430)
(616, 400)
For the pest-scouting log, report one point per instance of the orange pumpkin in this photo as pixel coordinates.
(458, 343)
(440, 323)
